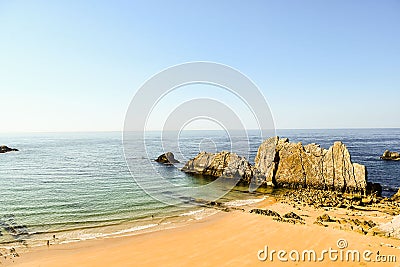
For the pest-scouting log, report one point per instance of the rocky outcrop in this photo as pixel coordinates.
(387, 155)
(222, 164)
(167, 158)
(396, 196)
(283, 164)
(286, 164)
(4, 149)
(324, 218)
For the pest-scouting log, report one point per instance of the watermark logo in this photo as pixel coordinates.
(339, 254)
(140, 141)
(342, 243)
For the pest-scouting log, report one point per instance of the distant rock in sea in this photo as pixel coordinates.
(4, 149)
(283, 164)
(167, 158)
(388, 155)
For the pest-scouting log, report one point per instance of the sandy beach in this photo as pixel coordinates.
(226, 239)
(199, 133)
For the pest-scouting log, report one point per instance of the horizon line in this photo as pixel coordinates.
(121, 131)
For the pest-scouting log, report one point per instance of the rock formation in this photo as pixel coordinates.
(4, 149)
(283, 164)
(287, 164)
(396, 196)
(167, 158)
(387, 155)
(222, 164)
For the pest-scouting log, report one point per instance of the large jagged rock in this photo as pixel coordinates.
(283, 164)
(295, 165)
(4, 149)
(222, 164)
(266, 159)
(387, 155)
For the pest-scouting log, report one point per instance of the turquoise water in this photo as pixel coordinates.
(78, 186)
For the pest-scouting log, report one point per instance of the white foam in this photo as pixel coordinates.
(70, 241)
(193, 212)
(84, 236)
(199, 214)
(244, 202)
(133, 229)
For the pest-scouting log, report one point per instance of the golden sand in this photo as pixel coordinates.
(225, 239)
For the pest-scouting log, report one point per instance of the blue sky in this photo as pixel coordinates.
(75, 65)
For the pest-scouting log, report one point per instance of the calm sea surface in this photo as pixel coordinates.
(77, 185)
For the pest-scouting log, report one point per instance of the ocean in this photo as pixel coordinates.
(77, 186)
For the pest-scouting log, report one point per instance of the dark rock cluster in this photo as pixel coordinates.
(324, 218)
(290, 217)
(323, 198)
(360, 226)
(5, 149)
(388, 155)
(17, 231)
(265, 212)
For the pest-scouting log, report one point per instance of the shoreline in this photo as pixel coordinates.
(225, 238)
(176, 219)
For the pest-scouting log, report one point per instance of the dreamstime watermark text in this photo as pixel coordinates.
(338, 254)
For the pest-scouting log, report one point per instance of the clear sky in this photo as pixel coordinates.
(75, 65)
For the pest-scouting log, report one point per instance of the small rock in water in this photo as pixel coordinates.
(388, 155)
(4, 149)
(167, 158)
